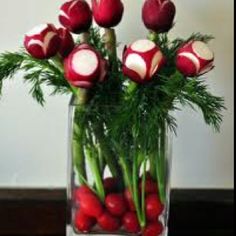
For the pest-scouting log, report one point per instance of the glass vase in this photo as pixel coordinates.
(112, 191)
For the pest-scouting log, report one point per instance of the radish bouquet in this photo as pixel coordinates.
(122, 109)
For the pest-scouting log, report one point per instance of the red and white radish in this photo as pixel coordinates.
(194, 59)
(107, 13)
(43, 41)
(84, 67)
(141, 60)
(158, 15)
(76, 16)
(67, 42)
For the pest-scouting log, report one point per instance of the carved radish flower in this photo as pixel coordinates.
(141, 60)
(194, 59)
(158, 15)
(85, 66)
(43, 41)
(67, 42)
(76, 16)
(107, 13)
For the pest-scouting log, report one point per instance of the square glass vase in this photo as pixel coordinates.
(115, 189)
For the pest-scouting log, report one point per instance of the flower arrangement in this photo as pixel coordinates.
(122, 108)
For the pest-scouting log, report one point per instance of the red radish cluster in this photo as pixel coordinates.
(67, 42)
(158, 15)
(76, 16)
(43, 41)
(141, 60)
(107, 13)
(85, 66)
(118, 210)
(194, 59)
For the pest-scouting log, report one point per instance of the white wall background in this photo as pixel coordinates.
(33, 140)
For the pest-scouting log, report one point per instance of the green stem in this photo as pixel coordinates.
(136, 191)
(144, 192)
(153, 36)
(152, 159)
(107, 153)
(127, 173)
(78, 136)
(78, 152)
(102, 163)
(111, 43)
(84, 37)
(161, 164)
(93, 162)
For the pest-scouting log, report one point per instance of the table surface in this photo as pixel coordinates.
(34, 212)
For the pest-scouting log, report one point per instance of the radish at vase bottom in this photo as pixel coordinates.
(116, 189)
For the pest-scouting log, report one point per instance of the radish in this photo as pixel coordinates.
(154, 207)
(107, 13)
(67, 42)
(110, 185)
(76, 16)
(108, 222)
(83, 223)
(90, 205)
(194, 59)
(43, 41)
(150, 186)
(141, 60)
(158, 15)
(84, 67)
(154, 229)
(116, 204)
(129, 200)
(81, 191)
(131, 223)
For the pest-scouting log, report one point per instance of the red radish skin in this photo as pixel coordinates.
(90, 205)
(116, 204)
(154, 229)
(158, 15)
(108, 222)
(67, 42)
(107, 13)
(83, 223)
(154, 207)
(150, 186)
(129, 200)
(131, 223)
(80, 191)
(43, 41)
(194, 59)
(84, 67)
(141, 60)
(76, 16)
(111, 185)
